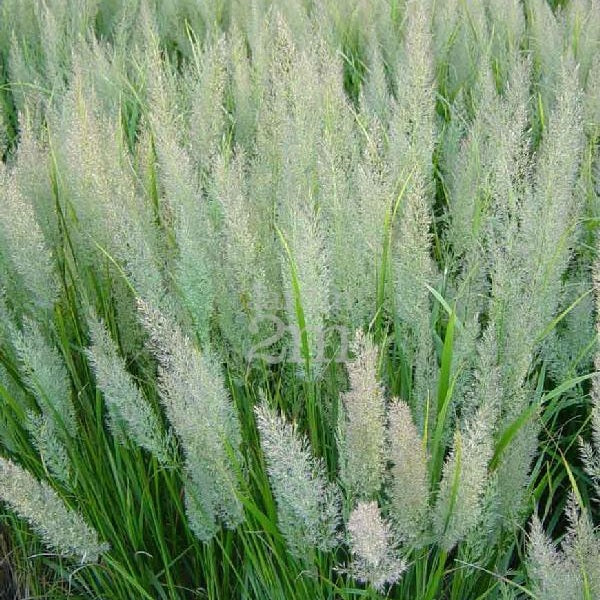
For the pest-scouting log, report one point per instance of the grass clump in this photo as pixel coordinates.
(297, 300)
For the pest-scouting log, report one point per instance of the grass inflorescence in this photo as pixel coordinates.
(299, 300)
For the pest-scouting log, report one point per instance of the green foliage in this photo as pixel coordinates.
(204, 203)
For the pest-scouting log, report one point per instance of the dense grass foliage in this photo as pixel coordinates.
(298, 299)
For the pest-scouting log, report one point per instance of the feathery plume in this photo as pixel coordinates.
(513, 474)
(410, 481)
(411, 147)
(591, 451)
(127, 406)
(244, 90)
(414, 266)
(92, 156)
(545, 566)
(203, 417)
(32, 176)
(306, 281)
(545, 38)
(464, 479)
(361, 440)
(573, 572)
(414, 270)
(185, 206)
(243, 289)
(25, 246)
(582, 32)
(581, 546)
(507, 27)
(591, 103)
(61, 528)
(207, 118)
(375, 556)
(338, 154)
(485, 384)
(375, 194)
(46, 377)
(375, 93)
(48, 441)
(412, 128)
(530, 258)
(307, 503)
(294, 130)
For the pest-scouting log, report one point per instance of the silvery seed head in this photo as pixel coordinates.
(375, 556)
